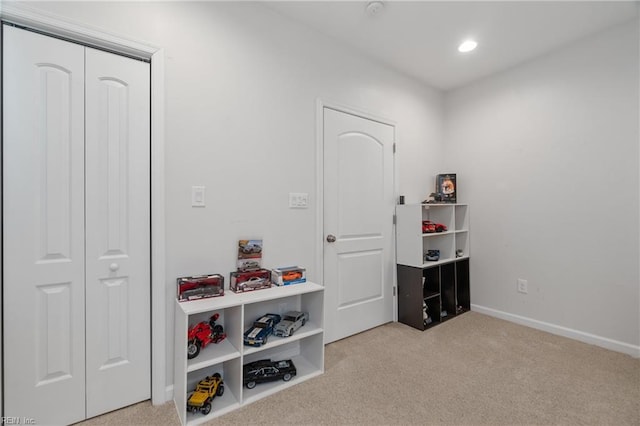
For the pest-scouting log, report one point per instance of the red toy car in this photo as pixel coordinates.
(203, 333)
(429, 227)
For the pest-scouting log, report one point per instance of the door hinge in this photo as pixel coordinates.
(394, 147)
(394, 219)
(394, 290)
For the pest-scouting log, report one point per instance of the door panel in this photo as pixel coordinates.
(43, 221)
(118, 231)
(358, 210)
(363, 269)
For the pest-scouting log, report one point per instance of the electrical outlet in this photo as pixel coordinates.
(522, 286)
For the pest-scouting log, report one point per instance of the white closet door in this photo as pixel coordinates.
(43, 183)
(118, 231)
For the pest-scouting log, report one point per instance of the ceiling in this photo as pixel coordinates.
(420, 38)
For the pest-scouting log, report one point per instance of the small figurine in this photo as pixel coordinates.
(426, 319)
(459, 253)
(203, 333)
(434, 197)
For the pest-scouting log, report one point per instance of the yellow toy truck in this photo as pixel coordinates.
(207, 389)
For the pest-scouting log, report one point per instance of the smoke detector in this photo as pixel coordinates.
(374, 7)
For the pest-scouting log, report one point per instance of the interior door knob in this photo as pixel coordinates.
(114, 267)
(331, 238)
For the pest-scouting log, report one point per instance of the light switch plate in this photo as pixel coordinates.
(298, 200)
(197, 196)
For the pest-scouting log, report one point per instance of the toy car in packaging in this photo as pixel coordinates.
(250, 280)
(200, 287)
(203, 333)
(207, 389)
(289, 275)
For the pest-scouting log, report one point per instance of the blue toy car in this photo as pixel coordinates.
(259, 332)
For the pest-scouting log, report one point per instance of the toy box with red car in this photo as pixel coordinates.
(429, 227)
(289, 275)
(203, 333)
(200, 287)
(250, 280)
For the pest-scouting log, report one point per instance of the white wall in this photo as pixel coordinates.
(547, 156)
(241, 90)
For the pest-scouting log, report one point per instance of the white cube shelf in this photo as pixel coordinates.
(237, 312)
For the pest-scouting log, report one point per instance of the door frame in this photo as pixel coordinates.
(321, 104)
(56, 26)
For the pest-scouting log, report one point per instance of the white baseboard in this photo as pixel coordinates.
(581, 336)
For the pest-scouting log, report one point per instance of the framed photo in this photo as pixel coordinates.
(447, 186)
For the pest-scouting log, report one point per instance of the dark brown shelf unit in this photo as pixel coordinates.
(446, 288)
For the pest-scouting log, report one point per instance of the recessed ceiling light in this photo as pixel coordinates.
(467, 46)
(374, 7)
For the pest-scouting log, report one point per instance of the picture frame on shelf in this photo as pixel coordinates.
(447, 186)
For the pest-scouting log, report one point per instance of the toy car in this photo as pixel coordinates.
(291, 321)
(288, 275)
(199, 287)
(429, 227)
(253, 283)
(206, 390)
(259, 332)
(291, 275)
(251, 248)
(250, 265)
(203, 333)
(266, 370)
(432, 255)
(250, 280)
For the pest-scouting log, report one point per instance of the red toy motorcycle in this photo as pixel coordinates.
(203, 333)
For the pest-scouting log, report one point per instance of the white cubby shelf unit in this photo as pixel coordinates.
(237, 313)
(412, 244)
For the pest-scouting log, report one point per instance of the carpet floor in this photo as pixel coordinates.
(470, 370)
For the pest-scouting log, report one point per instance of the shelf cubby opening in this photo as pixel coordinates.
(230, 399)
(462, 217)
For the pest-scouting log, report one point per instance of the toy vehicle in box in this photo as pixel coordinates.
(245, 265)
(289, 275)
(266, 370)
(250, 280)
(200, 287)
(249, 249)
(207, 389)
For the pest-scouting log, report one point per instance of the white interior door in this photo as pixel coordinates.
(118, 274)
(76, 218)
(358, 223)
(43, 224)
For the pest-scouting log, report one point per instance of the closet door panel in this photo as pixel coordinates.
(118, 231)
(43, 222)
